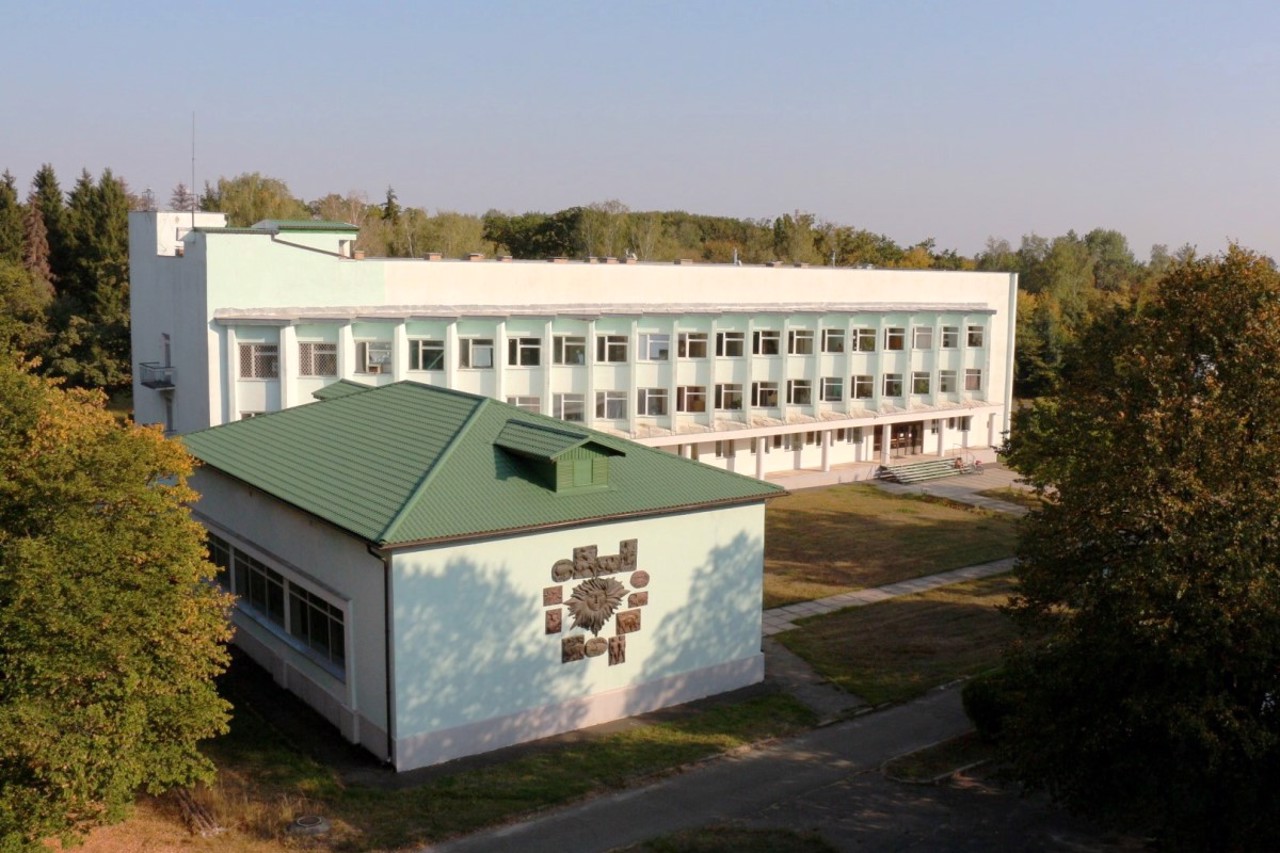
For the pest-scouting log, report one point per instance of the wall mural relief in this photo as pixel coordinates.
(606, 579)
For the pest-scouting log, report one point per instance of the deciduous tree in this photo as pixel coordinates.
(1145, 688)
(110, 633)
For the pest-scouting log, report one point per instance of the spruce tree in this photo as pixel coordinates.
(10, 220)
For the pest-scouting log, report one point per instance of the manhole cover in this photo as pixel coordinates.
(309, 824)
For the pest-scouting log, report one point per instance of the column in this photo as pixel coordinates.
(760, 440)
(288, 366)
(885, 438)
(826, 450)
(232, 374)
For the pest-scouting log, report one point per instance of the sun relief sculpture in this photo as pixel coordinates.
(593, 601)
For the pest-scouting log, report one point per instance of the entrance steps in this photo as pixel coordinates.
(919, 472)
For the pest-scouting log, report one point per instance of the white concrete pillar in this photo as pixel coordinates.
(288, 366)
(941, 426)
(230, 408)
(399, 351)
(759, 443)
(885, 439)
(826, 449)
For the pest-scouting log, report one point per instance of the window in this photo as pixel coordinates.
(373, 357)
(692, 345)
(527, 404)
(259, 361)
(862, 387)
(569, 407)
(475, 353)
(799, 392)
(764, 394)
(766, 342)
(654, 347)
(426, 354)
(524, 352)
(729, 397)
(220, 556)
(864, 340)
(732, 344)
(260, 587)
(725, 449)
(893, 384)
(569, 349)
(318, 624)
(651, 401)
(950, 337)
(922, 337)
(800, 342)
(691, 398)
(895, 338)
(920, 382)
(316, 359)
(975, 336)
(611, 348)
(946, 381)
(244, 416)
(973, 379)
(833, 340)
(611, 404)
(832, 389)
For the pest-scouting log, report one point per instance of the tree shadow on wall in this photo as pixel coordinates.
(718, 623)
(473, 649)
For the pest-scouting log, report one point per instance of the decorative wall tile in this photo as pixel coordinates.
(572, 648)
(617, 650)
(562, 571)
(628, 621)
(596, 646)
(638, 599)
(640, 579)
(553, 620)
(552, 595)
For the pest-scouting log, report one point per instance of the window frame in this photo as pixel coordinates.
(686, 341)
(563, 345)
(766, 342)
(920, 381)
(421, 348)
(832, 389)
(976, 336)
(832, 340)
(526, 403)
(524, 351)
(801, 342)
(373, 357)
(726, 393)
(469, 348)
(764, 394)
(612, 348)
(948, 382)
(309, 355)
(973, 379)
(895, 338)
(863, 339)
(726, 341)
(862, 386)
(654, 346)
(686, 393)
(799, 392)
(609, 400)
(891, 385)
(922, 337)
(561, 403)
(950, 337)
(653, 402)
(255, 355)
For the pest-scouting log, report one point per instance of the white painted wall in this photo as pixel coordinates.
(475, 669)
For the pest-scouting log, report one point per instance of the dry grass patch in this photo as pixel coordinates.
(822, 542)
(898, 649)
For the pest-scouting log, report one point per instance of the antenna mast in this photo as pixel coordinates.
(193, 170)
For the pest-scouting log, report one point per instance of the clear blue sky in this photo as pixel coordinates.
(955, 120)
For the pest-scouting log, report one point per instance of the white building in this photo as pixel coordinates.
(753, 369)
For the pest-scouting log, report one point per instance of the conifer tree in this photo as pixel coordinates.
(10, 220)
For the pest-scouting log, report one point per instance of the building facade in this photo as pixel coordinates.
(751, 369)
(439, 574)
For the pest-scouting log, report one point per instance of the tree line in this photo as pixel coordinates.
(64, 259)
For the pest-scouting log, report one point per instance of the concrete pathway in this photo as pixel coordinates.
(732, 787)
(783, 618)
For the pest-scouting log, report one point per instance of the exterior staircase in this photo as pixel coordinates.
(919, 472)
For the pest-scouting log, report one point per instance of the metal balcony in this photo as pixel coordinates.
(152, 374)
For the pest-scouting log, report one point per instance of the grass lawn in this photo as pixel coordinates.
(1021, 497)
(822, 542)
(897, 649)
(264, 783)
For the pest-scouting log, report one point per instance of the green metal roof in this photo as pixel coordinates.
(341, 388)
(304, 225)
(408, 463)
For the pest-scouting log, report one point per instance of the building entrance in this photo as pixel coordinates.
(904, 440)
